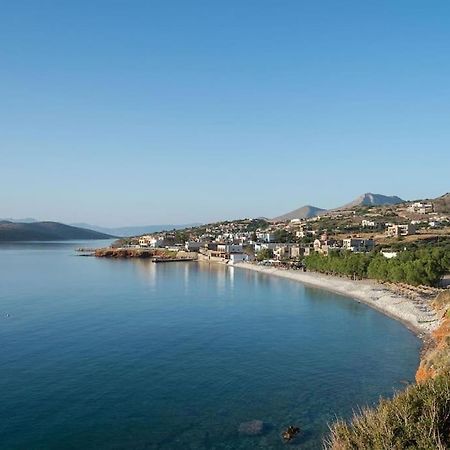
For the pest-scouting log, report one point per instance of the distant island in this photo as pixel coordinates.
(45, 231)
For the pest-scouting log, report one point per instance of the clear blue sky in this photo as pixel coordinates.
(139, 112)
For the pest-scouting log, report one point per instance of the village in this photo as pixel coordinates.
(387, 230)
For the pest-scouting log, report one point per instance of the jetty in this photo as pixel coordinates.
(167, 260)
(85, 251)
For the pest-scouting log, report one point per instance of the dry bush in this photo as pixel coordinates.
(418, 418)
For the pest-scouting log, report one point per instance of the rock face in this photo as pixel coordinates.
(252, 428)
(436, 360)
(424, 373)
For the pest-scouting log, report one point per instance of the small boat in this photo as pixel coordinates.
(290, 433)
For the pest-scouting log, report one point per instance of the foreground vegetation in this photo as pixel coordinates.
(418, 418)
(424, 266)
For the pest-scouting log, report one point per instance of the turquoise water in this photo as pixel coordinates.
(109, 354)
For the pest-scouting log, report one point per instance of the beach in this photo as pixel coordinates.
(417, 315)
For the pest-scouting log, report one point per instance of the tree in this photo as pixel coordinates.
(283, 236)
(265, 253)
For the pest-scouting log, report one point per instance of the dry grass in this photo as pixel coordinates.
(418, 418)
(442, 301)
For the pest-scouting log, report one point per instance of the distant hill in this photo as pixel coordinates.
(305, 212)
(370, 199)
(134, 230)
(25, 220)
(45, 231)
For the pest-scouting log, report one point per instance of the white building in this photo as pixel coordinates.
(238, 257)
(358, 245)
(152, 241)
(265, 237)
(230, 248)
(265, 246)
(304, 233)
(421, 208)
(368, 223)
(193, 246)
(400, 230)
(388, 253)
(144, 241)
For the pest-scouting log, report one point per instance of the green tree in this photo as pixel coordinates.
(265, 253)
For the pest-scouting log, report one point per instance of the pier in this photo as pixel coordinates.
(167, 260)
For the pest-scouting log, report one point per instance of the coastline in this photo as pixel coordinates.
(421, 322)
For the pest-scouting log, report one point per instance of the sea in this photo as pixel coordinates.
(100, 353)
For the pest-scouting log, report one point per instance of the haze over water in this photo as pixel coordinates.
(110, 354)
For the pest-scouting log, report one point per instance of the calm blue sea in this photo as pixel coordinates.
(127, 354)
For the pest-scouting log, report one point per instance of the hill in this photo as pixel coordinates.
(134, 230)
(442, 204)
(45, 231)
(370, 199)
(305, 212)
(24, 220)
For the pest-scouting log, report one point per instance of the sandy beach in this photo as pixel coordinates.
(415, 314)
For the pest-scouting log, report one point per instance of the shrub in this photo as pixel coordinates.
(418, 418)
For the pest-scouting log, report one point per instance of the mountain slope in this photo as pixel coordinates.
(442, 203)
(305, 212)
(45, 231)
(25, 220)
(134, 230)
(370, 199)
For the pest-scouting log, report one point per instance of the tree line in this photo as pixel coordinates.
(420, 267)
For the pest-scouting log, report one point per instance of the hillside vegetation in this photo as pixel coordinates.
(418, 418)
(424, 266)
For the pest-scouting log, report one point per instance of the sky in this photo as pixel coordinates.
(147, 112)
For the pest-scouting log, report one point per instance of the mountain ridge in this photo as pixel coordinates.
(367, 199)
(24, 220)
(370, 199)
